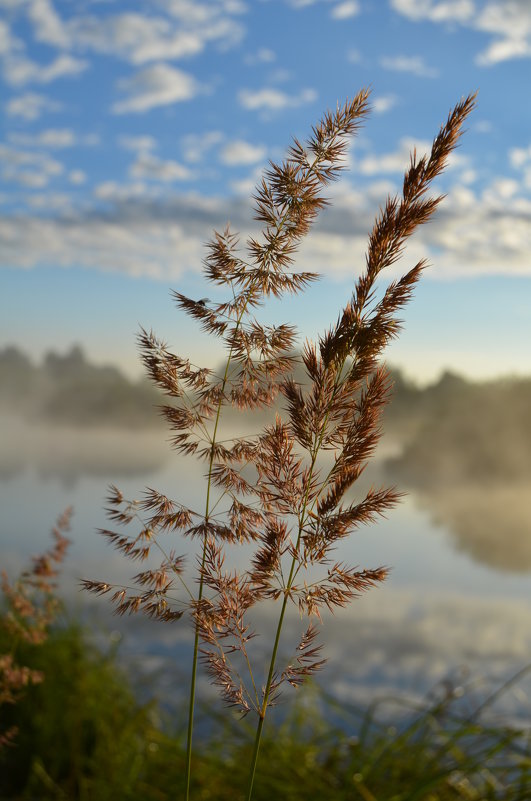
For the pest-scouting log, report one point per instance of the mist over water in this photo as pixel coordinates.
(459, 594)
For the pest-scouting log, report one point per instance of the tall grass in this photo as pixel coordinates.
(275, 489)
(84, 736)
(28, 607)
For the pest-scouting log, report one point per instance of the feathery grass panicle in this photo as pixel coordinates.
(273, 489)
(29, 606)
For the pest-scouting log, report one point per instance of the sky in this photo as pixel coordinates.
(129, 131)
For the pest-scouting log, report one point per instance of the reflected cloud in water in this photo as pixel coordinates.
(464, 452)
(469, 464)
(492, 525)
(390, 642)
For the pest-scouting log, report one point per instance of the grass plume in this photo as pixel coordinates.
(275, 490)
(28, 607)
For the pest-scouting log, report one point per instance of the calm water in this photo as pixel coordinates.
(457, 603)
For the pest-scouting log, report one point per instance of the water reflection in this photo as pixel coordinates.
(490, 520)
(468, 462)
(69, 453)
(463, 449)
(437, 613)
(390, 642)
(492, 525)
(464, 452)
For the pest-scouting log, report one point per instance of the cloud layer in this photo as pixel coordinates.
(506, 22)
(119, 208)
(143, 231)
(158, 85)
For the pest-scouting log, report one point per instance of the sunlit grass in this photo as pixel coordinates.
(83, 735)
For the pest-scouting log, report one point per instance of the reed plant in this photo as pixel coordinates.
(276, 490)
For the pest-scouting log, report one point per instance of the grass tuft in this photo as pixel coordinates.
(83, 736)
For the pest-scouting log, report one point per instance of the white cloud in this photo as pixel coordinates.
(341, 10)
(413, 64)
(19, 70)
(471, 235)
(354, 56)
(501, 189)
(508, 18)
(30, 106)
(391, 162)
(52, 138)
(384, 103)
(504, 50)
(27, 168)
(151, 242)
(136, 37)
(239, 153)
(181, 29)
(5, 38)
(138, 143)
(508, 22)
(302, 3)
(279, 75)
(56, 201)
(262, 56)
(519, 156)
(120, 193)
(483, 126)
(520, 159)
(159, 85)
(196, 146)
(274, 99)
(8, 42)
(146, 231)
(489, 236)
(27, 178)
(77, 177)
(201, 12)
(349, 8)
(246, 186)
(16, 158)
(435, 10)
(150, 167)
(47, 24)
(141, 38)
(468, 176)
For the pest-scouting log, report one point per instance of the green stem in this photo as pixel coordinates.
(191, 704)
(292, 573)
(267, 690)
(279, 227)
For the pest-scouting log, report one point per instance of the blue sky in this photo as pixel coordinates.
(130, 130)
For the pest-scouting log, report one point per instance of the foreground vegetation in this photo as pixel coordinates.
(275, 488)
(83, 735)
(74, 728)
